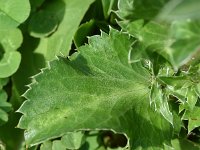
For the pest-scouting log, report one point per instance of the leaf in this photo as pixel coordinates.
(150, 38)
(83, 31)
(9, 64)
(46, 145)
(2, 147)
(31, 61)
(57, 144)
(177, 42)
(176, 82)
(3, 82)
(84, 93)
(4, 106)
(193, 117)
(44, 28)
(183, 144)
(186, 42)
(139, 9)
(107, 7)
(73, 140)
(13, 13)
(36, 4)
(180, 10)
(10, 40)
(69, 15)
(159, 100)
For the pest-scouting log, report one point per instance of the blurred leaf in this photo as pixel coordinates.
(58, 145)
(160, 103)
(46, 145)
(180, 10)
(5, 107)
(11, 136)
(36, 4)
(42, 24)
(10, 40)
(13, 12)
(73, 140)
(139, 9)
(83, 31)
(178, 42)
(183, 144)
(69, 14)
(9, 64)
(185, 37)
(31, 64)
(193, 117)
(176, 82)
(107, 7)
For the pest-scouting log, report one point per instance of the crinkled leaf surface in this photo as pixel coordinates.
(69, 15)
(13, 12)
(95, 89)
(10, 40)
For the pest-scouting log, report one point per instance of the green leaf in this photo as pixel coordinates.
(193, 117)
(13, 12)
(186, 36)
(4, 105)
(150, 37)
(36, 4)
(84, 93)
(159, 100)
(178, 42)
(69, 15)
(183, 144)
(9, 64)
(2, 146)
(83, 31)
(176, 82)
(10, 40)
(180, 10)
(73, 140)
(58, 145)
(31, 61)
(43, 24)
(46, 145)
(139, 9)
(107, 7)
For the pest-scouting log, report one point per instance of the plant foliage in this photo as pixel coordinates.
(99, 74)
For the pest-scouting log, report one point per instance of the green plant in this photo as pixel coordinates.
(117, 74)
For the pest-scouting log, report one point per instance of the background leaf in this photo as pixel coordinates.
(13, 13)
(139, 9)
(10, 40)
(4, 105)
(69, 15)
(180, 10)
